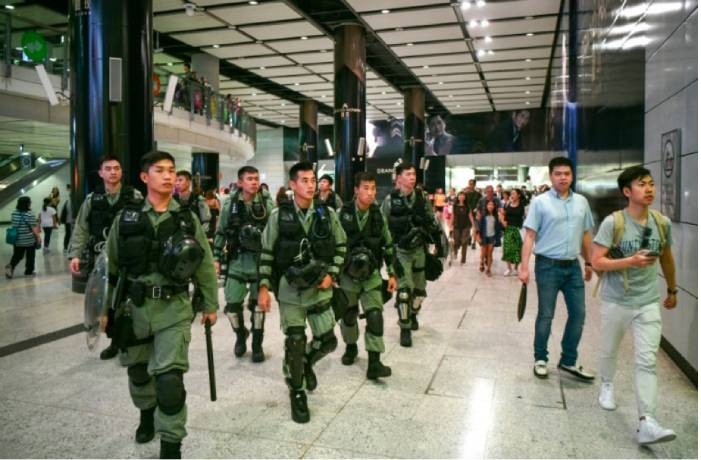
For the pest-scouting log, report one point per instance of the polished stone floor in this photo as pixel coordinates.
(465, 389)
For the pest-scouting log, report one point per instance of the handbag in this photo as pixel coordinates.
(11, 235)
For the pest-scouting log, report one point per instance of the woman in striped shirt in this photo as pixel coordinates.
(28, 237)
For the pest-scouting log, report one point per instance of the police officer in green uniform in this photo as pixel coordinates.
(369, 243)
(303, 249)
(242, 221)
(325, 195)
(413, 226)
(156, 248)
(94, 221)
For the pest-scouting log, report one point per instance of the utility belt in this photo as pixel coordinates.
(557, 262)
(138, 291)
(412, 240)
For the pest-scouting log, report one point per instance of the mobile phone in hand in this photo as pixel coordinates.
(652, 254)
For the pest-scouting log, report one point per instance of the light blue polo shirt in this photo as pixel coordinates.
(559, 224)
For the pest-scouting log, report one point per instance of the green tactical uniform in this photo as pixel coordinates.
(239, 229)
(161, 324)
(315, 233)
(412, 223)
(378, 240)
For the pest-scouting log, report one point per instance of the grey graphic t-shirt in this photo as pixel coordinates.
(642, 282)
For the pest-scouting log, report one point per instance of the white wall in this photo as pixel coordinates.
(671, 102)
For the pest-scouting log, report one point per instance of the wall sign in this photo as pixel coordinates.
(670, 186)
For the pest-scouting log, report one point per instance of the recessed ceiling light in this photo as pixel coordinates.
(450, 95)
(481, 3)
(282, 121)
(409, 44)
(261, 67)
(52, 59)
(10, 7)
(458, 106)
(426, 67)
(296, 84)
(490, 52)
(215, 46)
(384, 92)
(323, 96)
(528, 78)
(399, 103)
(465, 5)
(440, 82)
(283, 104)
(303, 37)
(480, 52)
(170, 64)
(528, 92)
(472, 23)
(529, 34)
(385, 11)
(528, 59)
(528, 102)
(484, 23)
(252, 2)
(488, 39)
(254, 94)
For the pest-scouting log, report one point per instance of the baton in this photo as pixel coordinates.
(210, 361)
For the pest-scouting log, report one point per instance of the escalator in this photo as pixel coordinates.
(21, 173)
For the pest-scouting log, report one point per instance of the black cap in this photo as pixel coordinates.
(327, 177)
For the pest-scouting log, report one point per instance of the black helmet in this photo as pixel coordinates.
(306, 276)
(180, 257)
(250, 238)
(361, 264)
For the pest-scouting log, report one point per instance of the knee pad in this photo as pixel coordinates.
(138, 374)
(403, 302)
(234, 312)
(295, 345)
(170, 392)
(322, 346)
(375, 324)
(258, 320)
(419, 296)
(350, 317)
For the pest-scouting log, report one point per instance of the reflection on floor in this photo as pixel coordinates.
(465, 389)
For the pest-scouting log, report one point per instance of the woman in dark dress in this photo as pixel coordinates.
(511, 216)
(462, 224)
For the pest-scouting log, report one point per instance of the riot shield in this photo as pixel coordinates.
(96, 296)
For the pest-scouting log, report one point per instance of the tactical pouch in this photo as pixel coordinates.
(124, 332)
(412, 240)
(306, 276)
(137, 293)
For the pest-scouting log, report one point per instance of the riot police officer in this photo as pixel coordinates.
(94, 220)
(156, 248)
(243, 219)
(369, 244)
(303, 249)
(325, 196)
(413, 226)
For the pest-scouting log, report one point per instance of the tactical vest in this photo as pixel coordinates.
(407, 222)
(102, 213)
(144, 250)
(252, 222)
(192, 203)
(322, 244)
(330, 201)
(370, 237)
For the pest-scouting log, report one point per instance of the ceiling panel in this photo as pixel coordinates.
(516, 41)
(520, 91)
(209, 38)
(442, 70)
(438, 60)
(249, 63)
(495, 77)
(464, 77)
(376, 5)
(511, 9)
(519, 64)
(280, 71)
(287, 30)
(516, 82)
(521, 26)
(251, 14)
(242, 50)
(172, 22)
(290, 81)
(297, 45)
(455, 85)
(422, 17)
(450, 32)
(328, 86)
(509, 55)
(322, 69)
(167, 5)
(457, 46)
(313, 58)
(460, 92)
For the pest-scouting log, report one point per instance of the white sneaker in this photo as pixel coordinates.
(606, 399)
(650, 432)
(507, 272)
(540, 369)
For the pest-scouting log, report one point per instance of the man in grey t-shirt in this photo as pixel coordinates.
(626, 250)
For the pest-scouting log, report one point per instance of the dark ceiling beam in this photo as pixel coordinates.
(328, 14)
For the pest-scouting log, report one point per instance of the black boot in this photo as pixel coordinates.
(375, 367)
(351, 353)
(405, 337)
(298, 403)
(145, 431)
(170, 449)
(309, 376)
(240, 345)
(109, 352)
(257, 355)
(414, 322)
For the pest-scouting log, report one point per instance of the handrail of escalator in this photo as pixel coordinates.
(19, 187)
(9, 166)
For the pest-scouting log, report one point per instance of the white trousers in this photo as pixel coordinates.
(646, 325)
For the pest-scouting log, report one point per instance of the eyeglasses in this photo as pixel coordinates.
(645, 243)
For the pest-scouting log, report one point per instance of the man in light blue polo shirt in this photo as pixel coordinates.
(559, 222)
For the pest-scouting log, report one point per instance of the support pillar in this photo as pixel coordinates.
(349, 106)
(572, 108)
(309, 131)
(82, 160)
(119, 90)
(414, 125)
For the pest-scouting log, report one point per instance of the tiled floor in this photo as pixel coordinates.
(465, 389)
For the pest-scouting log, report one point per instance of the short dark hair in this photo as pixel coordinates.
(560, 161)
(108, 157)
(185, 173)
(300, 166)
(403, 166)
(246, 170)
(154, 157)
(363, 176)
(23, 203)
(326, 177)
(626, 178)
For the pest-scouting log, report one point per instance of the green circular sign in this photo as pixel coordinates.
(34, 46)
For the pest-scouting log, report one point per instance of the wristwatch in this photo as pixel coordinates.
(672, 291)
